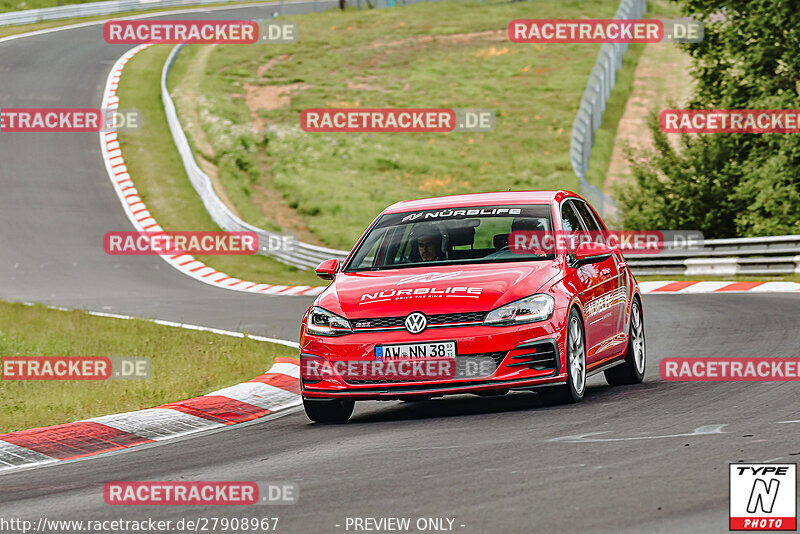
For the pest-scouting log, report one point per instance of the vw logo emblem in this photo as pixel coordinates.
(416, 322)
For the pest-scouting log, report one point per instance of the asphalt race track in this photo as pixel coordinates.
(648, 458)
(500, 464)
(57, 202)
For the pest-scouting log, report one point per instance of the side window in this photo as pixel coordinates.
(368, 251)
(369, 258)
(572, 226)
(401, 244)
(588, 217)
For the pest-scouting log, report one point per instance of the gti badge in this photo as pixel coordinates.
(416, 322)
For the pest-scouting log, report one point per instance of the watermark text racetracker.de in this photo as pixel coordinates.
(400, 368)
(199, 32)
(629, 242)
(20, 120)
(200, 493)
(171, 243)
(75, 368)
(384, 120)
(729, 120)
(730, 369)
(605, 31)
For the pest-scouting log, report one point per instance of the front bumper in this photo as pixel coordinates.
(525, 356)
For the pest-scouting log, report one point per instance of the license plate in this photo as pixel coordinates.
(413, 351)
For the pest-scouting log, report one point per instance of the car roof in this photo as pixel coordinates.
(479, 199)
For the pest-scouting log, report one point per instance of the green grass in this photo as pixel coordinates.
(185, 363)
(155, 166)
(336, 183)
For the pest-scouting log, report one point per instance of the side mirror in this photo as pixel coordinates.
(591, 252)
(327, 269)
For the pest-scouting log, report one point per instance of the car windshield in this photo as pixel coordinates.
(450, 236)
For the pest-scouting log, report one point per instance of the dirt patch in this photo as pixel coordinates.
(662, 75)
(488, 35)
(489, 52)
(361, 83)
(269, 64)
(187, 98)
(264, 195)
(268, 97)
(275, 208)
(442, 185)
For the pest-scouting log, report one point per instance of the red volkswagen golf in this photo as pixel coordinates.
(479, 293)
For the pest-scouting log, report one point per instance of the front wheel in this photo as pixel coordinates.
(632, 370)
(328, 411)
(573, 390)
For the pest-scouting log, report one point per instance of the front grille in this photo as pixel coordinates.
(454, 319)
(462, 362)
(381, 322)
(496, 356)
(466, 317)
(539, 356)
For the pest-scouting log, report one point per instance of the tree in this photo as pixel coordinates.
(728, 184)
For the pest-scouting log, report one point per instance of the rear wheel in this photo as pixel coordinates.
(632, 371)
(328, 411)
(573, 390)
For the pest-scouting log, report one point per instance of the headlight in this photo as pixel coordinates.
(324, 323)
(527, 310)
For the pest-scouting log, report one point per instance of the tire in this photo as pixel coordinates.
(328, 411)
(632, 371)
(575, 387)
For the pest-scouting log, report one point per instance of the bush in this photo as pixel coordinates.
(728, 184)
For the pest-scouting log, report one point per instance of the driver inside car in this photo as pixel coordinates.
(531, 227)
(427, 245)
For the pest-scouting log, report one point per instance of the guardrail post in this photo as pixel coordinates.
(712, 266)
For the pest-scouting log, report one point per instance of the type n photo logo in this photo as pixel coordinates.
(763, 497)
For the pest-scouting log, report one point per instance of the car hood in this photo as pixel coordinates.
(440, 289)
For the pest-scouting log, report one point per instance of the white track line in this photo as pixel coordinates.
(141, 427)
(174, 324)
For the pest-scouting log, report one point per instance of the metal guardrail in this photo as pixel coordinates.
(94, 9)
(113, 7)
(593, 104)
(773, 255)
(588, 119)
(725, 257)
(739, 256)
(283, 247)
(280, 246)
